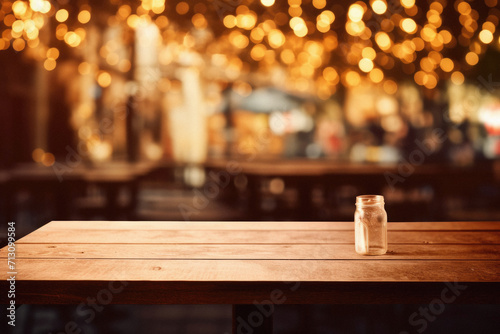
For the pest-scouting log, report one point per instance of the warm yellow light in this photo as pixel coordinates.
(238, 39)
(53, 53)
(428, 33)
(257, 34)
(84, 16)
(104, 79)
(327, 16)
(49, 64)
(447, 65)
(490, 26)
(457, 78)
(438, 7)
(369, 53)
(432, 81)
(355, 28)
(19, 44)
(352, 78)
(246, 21)
(420, 78)
(472, 58)
(307, 70)
(435, 58)
(419, 43)
(408, 25)
(319, 4)
(379, 7)
(19, 8)
(276, 38)
(62, 15)
(258, 52)
(390, 87)
(376, 75)
(383, 40)
(61, 31)
(199, 21)
(18, 26)
(322, 26)
(365, 65)
(446, 35)
(287, 56)
(356, 12)
(486, 36)
(299, 26)
(40, 6)
(408, 3)
(133, 21)
(229, 21)
(331, 75)
(72, 39)
(267, 3)
(124, 11)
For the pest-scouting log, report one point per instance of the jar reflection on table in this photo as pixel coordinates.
(370, 225)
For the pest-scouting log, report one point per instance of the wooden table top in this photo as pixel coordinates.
(242, 262)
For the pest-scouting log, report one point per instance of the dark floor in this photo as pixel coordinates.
(288, 319)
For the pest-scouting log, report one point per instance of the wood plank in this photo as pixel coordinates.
(245, 251)
(243, 225)
(249, 237)
(369, 270)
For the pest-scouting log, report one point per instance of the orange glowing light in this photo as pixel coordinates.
(408, 25)
(365, 65)
(486, 36)
(446, 64)
(472, 58)
(104, 79)
(457, 78)
(356, 12)
(84, 16)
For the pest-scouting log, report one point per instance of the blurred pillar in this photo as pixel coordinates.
(41, 107)
(195, 127)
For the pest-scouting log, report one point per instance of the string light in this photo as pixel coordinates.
(376, 42)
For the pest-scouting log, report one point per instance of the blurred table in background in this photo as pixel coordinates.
(438, 181)
(65, 184)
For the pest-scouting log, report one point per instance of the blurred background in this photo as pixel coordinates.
(248, 110)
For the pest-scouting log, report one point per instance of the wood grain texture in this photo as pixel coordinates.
(250, 237)
(363, 270)
(249, 251)
(216, 262)
(252, 226)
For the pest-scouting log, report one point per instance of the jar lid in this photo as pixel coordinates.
(369, 200)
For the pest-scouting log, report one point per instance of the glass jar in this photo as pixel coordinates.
(370, 225)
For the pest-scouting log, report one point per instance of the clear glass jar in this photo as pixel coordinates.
(370, 225)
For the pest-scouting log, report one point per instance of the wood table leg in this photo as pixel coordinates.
(250, 319)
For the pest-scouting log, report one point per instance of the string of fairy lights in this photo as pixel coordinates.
(318, 44)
